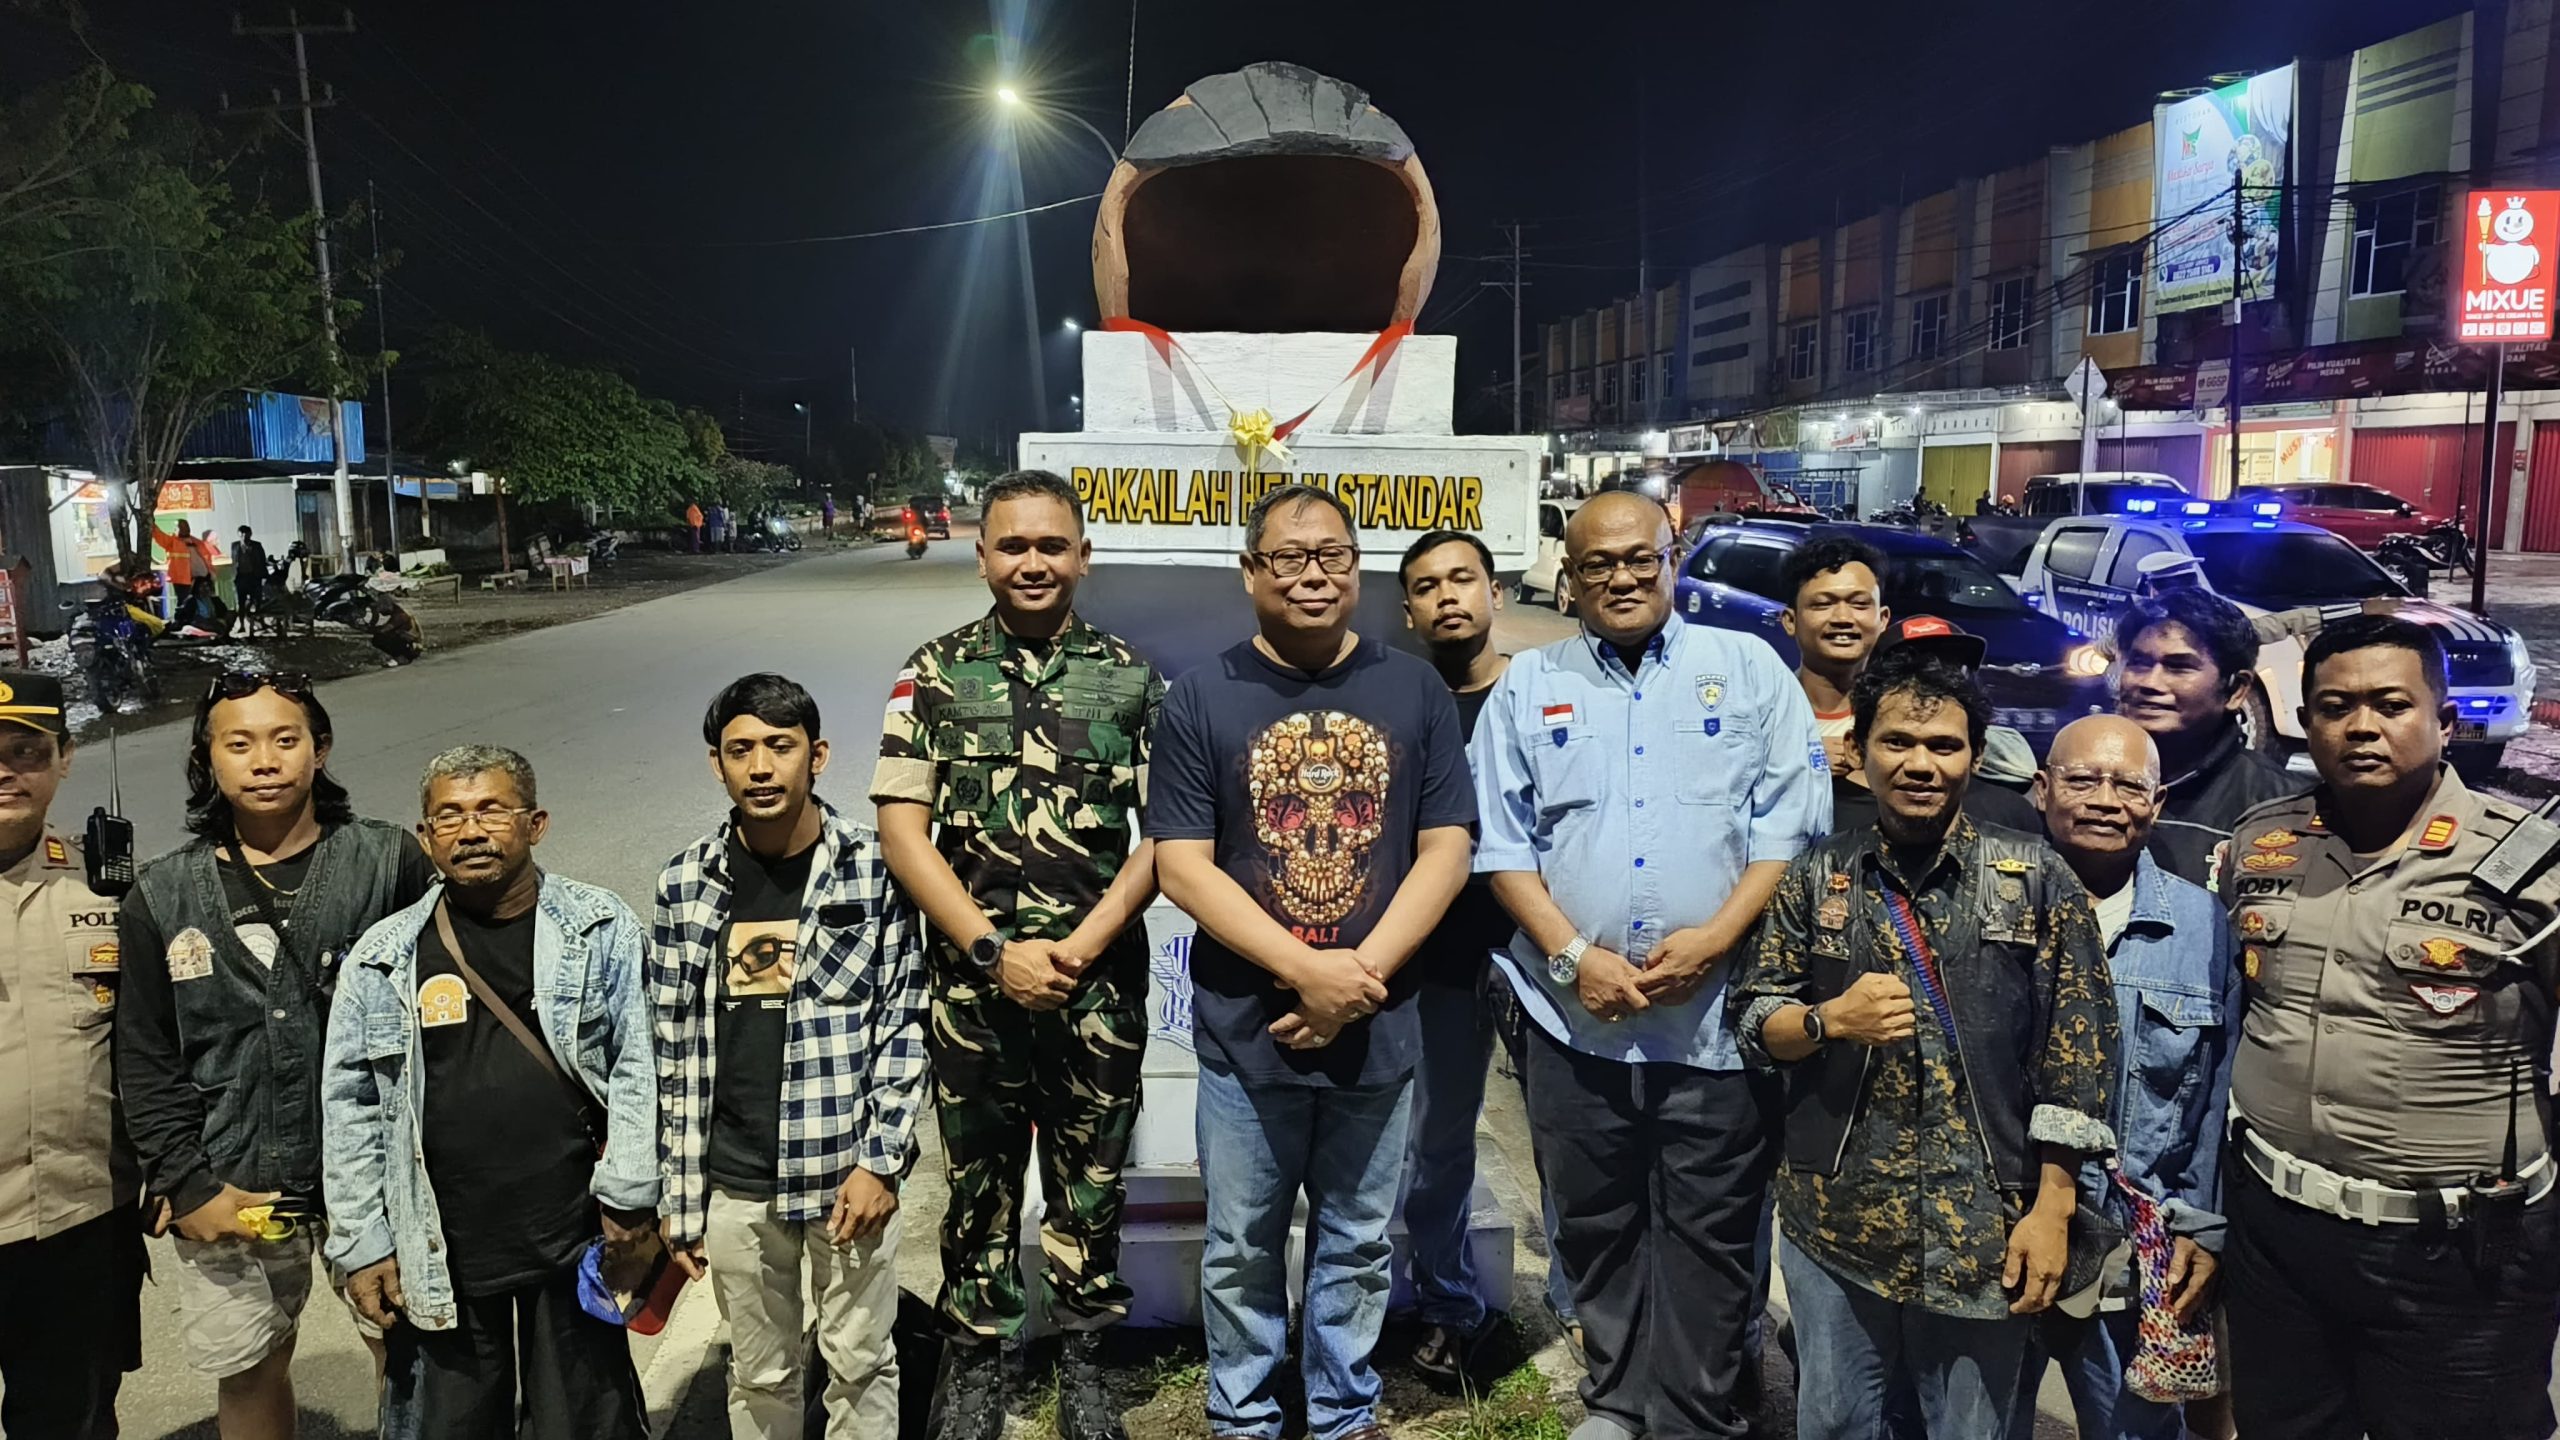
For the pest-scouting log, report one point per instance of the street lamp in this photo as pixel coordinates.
(1072, 326)
(1012, 99)
(804, 434)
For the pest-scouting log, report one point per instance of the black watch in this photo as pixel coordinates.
(1813, 1027)
(987, 949)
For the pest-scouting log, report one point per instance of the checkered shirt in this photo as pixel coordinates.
(853, 1067)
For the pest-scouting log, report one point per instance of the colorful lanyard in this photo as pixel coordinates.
(1906, 924)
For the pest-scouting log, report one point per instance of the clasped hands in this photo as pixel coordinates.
(1674, 971)
(1334, 988)
(1040, 974)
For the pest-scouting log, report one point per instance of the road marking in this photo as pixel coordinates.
(692, 1327)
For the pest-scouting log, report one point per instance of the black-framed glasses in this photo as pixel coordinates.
(1291, 563)
(1600, 569)
(241, 684)
(445, 824)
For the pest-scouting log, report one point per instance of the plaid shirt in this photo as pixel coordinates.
(854, 1066)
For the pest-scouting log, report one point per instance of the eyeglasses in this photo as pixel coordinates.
(1292, 563)
(241, 684)
(445, 824)
(1600, 569)
(2082, 784)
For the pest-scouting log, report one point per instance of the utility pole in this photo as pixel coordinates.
(382, 346)
(853, 378)
(2231, 394)
(343, 491)
(1514, 285)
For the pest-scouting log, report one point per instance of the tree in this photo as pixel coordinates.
(150, 292)
(557, 431)
(750, 487)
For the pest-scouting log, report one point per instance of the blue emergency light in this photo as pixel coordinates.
(2196, 507)
(2268, 508)
(2140, 506)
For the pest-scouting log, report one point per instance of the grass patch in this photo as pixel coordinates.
(1174, 1373)
(1519, 1406)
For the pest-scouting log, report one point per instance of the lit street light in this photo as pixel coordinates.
(1012, 99)
(1072, 326)
(804, 434)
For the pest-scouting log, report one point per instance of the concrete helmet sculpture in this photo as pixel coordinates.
(1267, 200)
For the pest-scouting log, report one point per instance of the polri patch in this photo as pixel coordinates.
(2266, 860)
(2440, 953)
(2445, 1000)
(2277, 840)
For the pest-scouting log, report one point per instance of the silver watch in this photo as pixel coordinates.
(1566, 963)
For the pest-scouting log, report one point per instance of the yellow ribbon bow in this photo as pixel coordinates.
(1253, 434)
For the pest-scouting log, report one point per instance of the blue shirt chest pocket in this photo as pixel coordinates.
(1722, 756)
(2167, 1029)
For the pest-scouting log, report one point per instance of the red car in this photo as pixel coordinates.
(2358, 514)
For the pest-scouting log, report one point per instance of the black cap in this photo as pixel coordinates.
(34, 701)
(1929, 635)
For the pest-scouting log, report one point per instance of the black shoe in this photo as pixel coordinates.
(968, 1402)
(1448, 1359)
(1085, 1411)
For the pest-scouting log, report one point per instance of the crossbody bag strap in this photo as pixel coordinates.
(1906, 928)
(505, 1014)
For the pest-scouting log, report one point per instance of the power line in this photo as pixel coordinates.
(866, 234)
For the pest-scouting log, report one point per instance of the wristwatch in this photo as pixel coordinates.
(1814, 1029)
(1566, 963)
(987, 949)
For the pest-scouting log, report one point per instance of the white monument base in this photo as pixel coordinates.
(1130, 384)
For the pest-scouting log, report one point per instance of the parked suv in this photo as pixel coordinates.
(2360, 514)
(2040, 673)
(2086, 570)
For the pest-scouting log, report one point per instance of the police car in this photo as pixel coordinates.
(2039, 673)
(2085, 570)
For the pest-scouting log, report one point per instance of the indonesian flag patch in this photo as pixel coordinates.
(1554, 715)
(902, 695)
(2445, 999)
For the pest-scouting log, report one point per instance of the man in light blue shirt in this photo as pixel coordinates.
(1641, 787)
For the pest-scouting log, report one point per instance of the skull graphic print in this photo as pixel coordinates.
(1318, 781)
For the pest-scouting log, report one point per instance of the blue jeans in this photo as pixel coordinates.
(1259, 1146)
(2093, 1353)
(1448, 1096)
(1853, 1346)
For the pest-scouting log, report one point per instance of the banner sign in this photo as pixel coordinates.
(2506, 265)
(2334, 372)
(2201, 147)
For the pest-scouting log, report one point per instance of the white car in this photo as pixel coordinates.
(2084, 571)
(1545, 576)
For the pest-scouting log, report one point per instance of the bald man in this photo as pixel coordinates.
(2170, 951)
(1641, 787)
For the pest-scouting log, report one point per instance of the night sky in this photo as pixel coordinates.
(602, 181)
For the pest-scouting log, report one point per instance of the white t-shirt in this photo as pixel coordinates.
(2114, 913)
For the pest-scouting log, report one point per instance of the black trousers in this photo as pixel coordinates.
(2340, 1329)
(573, 1371)
(1658, 1173)
(70, 1326)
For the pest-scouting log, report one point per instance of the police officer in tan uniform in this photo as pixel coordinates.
(2394, 1256)
(70, 1241)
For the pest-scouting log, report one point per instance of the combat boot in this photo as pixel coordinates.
(1085, 1411)
(968, 1403)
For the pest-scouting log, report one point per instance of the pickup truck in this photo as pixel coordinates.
(2291, 578)
(2004, 540)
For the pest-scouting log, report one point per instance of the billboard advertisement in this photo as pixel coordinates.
(2507, 237)
(2202, 146)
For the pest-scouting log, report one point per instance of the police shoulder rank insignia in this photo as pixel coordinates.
(190, 955)
(1832, 914)
(443, 1000)
(2445, 999)
(2277, 840)
(57, 856)
(2438, 834)
(1711, 690)
(2011, 865)
(2265, 860)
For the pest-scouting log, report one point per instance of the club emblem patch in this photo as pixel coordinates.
(1839, 883)
(1711, 690)
(443, 1000)
(190, 955)
(1832, 914)
(2445, 1000)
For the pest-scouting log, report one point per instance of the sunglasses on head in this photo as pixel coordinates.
(241, 684)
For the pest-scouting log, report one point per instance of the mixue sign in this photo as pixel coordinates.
(2507, 251)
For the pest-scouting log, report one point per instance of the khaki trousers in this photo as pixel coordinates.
(766, 1273)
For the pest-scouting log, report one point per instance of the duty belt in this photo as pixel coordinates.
(2371, 1202)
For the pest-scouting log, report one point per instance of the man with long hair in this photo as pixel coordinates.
(230, 947)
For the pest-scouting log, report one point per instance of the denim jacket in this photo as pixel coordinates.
(593, 1011)
(2178, 1001)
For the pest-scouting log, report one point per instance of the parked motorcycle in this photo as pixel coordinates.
(2409, 561)
(2448, 545)
(349, 600)
(915, 542)
(111, 642)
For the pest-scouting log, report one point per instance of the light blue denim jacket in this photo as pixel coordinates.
(592, 1009)
(2178, 1000)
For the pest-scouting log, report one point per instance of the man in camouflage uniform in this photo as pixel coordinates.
(1023, 735)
